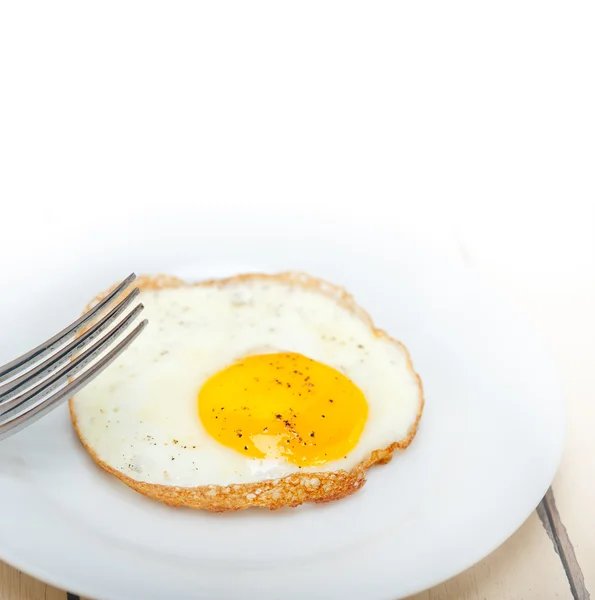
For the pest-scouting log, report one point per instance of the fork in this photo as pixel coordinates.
(43, 378)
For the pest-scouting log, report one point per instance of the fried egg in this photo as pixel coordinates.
(259, 390)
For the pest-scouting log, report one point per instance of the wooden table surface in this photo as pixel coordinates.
(553, 554)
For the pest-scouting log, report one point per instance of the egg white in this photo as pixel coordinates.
(140, 416)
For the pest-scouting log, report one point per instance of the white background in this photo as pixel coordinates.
(473, 121)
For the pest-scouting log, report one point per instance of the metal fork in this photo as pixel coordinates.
(36, 383)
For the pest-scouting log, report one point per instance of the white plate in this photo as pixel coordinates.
(489, 443)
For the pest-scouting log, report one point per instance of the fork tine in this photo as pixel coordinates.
(55, 361)
(32, 396)
(57, 340)
(41, 409)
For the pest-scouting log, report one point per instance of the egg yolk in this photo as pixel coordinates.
(283, 405)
